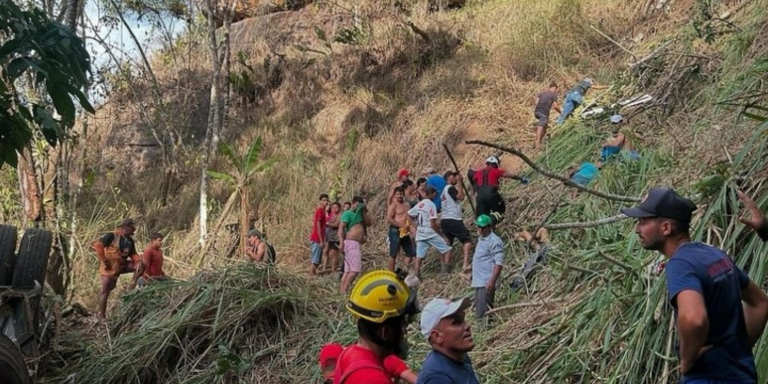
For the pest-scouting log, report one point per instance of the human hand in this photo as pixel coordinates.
(490, 287)
(755, 218)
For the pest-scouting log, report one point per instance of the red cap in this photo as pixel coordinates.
(330, 351)
(403, 172)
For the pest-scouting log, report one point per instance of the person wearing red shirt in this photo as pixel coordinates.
(317, 238)
(486, 187)
(153, 260)
(382, 303)
(394, 366)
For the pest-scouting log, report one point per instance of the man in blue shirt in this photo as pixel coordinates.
(437, 182)
(444, 326)
(716, 332)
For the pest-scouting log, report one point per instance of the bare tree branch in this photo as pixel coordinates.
(553, 175)
(587, 224)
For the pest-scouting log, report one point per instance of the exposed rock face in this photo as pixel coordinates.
(254, 8)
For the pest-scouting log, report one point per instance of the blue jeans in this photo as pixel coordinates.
(316, 250)
(572, 100)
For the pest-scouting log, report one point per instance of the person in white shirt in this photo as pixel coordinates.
(428, 233)
(486, 265)
(451, 218)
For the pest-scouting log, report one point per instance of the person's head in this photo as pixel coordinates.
(553, 86)
(357, 201)
(335, 207)
(156, 240)
(450, 177)
(444, 326)
(127, 227)
(492, 162)
(346, 206)
(399, 194)
(403, 174)
(379, 301)
(663, 217)
(408, 186)
(484, 225)
(429, 171)
(588, 80)
(329, 356)
(421, 183)
(323, 200)
(430, 191)
(254, 236)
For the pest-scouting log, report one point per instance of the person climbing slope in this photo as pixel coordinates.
(545, 101)
(575, 97)
(720, 313)
(486, 186)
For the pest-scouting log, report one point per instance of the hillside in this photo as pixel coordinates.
(400, 82)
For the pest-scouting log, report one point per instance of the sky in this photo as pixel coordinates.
(119, 39)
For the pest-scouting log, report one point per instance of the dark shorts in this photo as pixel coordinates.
(396, 242)
(487, 203)
(541, 119)
(333, 245)
(455, 229)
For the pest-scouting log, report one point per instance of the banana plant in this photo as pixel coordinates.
(239, 175)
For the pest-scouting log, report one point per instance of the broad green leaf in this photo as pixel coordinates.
(265, 165)
(63, 103)
(252, 158)
(234, 160)
(221, 176)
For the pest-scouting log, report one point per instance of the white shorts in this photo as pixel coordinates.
(437, 242)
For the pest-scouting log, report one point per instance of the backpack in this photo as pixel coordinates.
(271, 254)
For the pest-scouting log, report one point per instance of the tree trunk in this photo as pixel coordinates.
(224, 213)
(70, 18)
(30, 193)
(244, 227)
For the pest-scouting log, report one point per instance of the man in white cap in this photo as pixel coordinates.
(575, 97)
(444, 325)
(485, 182)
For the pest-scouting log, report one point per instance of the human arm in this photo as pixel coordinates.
(340, 231)
(755, 303)
(367, 221)
(459, 190)
(692, 326)
(148, 259)
(556, 106)
(756, 220)
(100, 245)
(436, 227)
(398, 369)
(498, 262)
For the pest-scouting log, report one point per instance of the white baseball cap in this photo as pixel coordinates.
(615, 119)
(438, 309)
(492, 160)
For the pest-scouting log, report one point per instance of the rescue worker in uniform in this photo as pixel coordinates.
(485, 183)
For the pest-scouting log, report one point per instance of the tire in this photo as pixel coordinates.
(7, 253)
(13, 370)
(32, 262)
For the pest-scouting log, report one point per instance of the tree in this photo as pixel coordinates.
(243, 169)
(54, 59)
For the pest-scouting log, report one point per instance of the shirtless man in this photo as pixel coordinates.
(402, 175)
(352, 235)
(257, 248)
(399, 230)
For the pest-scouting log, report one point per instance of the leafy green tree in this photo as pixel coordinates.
(242, 170)
(53, 59)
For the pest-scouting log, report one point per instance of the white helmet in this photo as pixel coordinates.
(492, 160)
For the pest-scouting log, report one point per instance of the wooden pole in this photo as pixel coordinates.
(463, 186)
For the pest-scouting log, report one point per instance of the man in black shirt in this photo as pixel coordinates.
(117, 255)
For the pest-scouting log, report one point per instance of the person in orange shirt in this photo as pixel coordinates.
(153, 260)
(117, 255)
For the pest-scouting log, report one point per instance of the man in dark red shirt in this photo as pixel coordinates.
(486, 186)
(317, 238)
(153, 260)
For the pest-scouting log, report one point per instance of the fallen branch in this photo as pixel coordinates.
(587, 224)
(615, 262)
(615, 42)
(555, 176)
(523, 305)
(419, 31)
